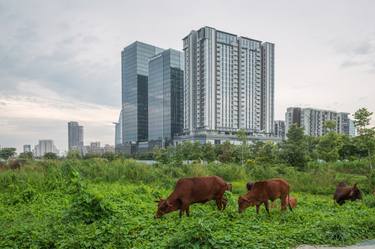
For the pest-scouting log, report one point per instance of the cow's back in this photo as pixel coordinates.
(199, 189)
(270, 189)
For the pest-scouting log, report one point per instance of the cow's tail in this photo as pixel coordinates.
(290, 207)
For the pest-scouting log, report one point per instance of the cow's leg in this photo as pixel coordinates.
(283, 202)
(257, 207)
(187, 211)
(219, 204)
(267, 209)
(224, 202)
(184, 208)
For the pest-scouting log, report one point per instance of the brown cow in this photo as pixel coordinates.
(344, 192)
(14, 164)
(194, 190)
(249, 186)
(292, 201)
(262, 192)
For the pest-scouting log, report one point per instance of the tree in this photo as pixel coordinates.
(74, 154)
(208, 152)
(50, 156)
(242, 136)
(329, 146)
(330, 125)
(110, 156)
(294, 148)
(5, 153)
(225, 152)
(26, 155)
(366, 139)
(161, 155)
(266, 152)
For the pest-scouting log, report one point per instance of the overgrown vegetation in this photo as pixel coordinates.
(97, 203)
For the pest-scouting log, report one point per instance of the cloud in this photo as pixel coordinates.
(359, 54)
(39, 113)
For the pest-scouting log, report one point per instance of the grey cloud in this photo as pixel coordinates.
(359, 54)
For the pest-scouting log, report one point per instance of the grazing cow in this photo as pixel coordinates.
(2, 164)
(292, 201)
(262, 192)
(194, 190)
(249, 186)
(14, 164)
(344, 192)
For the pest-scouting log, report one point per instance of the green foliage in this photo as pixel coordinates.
(329, 146)
(6, 153)
(294, 149)
(26, 155)
(86, 207)
(329, 125)
(73, 154)
(97, 203)
(50, 156)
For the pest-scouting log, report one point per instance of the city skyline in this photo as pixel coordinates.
(73, 73)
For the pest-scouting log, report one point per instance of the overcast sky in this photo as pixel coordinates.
(60, 60)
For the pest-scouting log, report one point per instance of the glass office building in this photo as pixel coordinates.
(134, 61)
(75, 136)
(165, 96)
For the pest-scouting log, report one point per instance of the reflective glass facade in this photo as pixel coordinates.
(134, 61)
(165, 96)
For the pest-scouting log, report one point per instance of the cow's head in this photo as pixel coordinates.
(355, 193)
(249, 186)
(164, 207)
(244, 202)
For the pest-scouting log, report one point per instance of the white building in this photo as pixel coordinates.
(228, 84)
(313, 121)
(43, 147)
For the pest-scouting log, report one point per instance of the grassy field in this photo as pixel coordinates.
(101, 204)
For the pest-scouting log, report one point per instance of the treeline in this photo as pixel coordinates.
(297, 150)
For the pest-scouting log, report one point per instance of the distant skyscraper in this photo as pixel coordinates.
(279, 128)
(43, 147)
(134, 60)
(75, 136)
(165, 96)
(313, 120)
(27, 148)
(229, 83)
(118, 130)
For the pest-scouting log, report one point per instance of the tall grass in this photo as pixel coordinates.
(51, 174)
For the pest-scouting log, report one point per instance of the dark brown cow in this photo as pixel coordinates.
(344, 192)
(14, 164)
(2, 165)
(262, 192)
(194, 190)
(249, 186)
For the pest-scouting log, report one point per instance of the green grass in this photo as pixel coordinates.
(51, 206)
